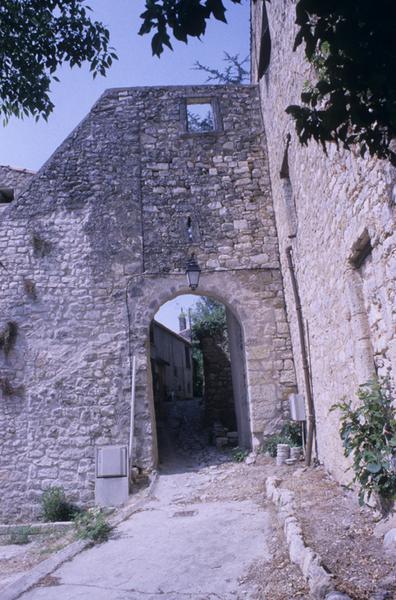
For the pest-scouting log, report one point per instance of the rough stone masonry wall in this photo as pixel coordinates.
(15, 178)
(95, 245)
(218, 392)
(350, 313)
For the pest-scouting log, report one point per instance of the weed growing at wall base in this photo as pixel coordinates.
(368, 433)
(56, 507)
(289, 434)
(92, 525)
(20, 536)
(239, 454)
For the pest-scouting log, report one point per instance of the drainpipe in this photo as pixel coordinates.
(304, 357)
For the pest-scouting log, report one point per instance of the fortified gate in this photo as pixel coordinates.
(96, 242)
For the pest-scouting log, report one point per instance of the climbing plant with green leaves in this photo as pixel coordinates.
(368, 434)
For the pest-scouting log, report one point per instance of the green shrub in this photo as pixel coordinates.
(289, 434)
(20, 535)
(368, 433)
(239, 454)
(92, 525)
(55, 506)
(270, 443)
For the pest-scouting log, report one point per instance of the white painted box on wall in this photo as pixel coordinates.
(297, 407)
(111, 482)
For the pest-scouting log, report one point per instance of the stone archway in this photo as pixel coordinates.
(251, 300)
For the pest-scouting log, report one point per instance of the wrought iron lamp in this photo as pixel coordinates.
(193, 272)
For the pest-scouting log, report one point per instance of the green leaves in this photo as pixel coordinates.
(209, 319)
(183, 18)
(368, 433)
(36, 38)
(352, 101)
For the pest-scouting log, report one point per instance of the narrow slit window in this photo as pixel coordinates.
(200, 116)
(189, 229)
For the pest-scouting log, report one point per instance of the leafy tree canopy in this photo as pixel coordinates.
(180, 18)
(208, 319)
(37, 37)
(353, 101)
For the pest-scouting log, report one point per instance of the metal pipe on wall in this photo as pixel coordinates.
(304, 357)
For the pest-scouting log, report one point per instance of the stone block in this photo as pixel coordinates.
(390, 540)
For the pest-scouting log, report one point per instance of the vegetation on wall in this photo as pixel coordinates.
(30, 289)
(289, 434)
(8, 390)
(41, 247)
(368, 433)
(8, 337)
(208, 320)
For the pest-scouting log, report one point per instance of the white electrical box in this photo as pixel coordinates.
(297, 407)
(112, 461)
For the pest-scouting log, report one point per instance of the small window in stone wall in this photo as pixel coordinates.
(6, 195)
(200, 116)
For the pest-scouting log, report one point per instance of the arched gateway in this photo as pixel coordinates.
(259, 392)
(94, 246)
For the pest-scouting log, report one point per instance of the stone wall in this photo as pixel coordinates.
(330, 206)
(218, 392)
(15, 178)
(96, 244)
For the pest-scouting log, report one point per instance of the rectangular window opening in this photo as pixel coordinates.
(200, 116)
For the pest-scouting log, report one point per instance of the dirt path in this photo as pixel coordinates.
(205, 534)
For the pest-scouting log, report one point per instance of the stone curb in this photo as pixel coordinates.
(46, 567)
(320, 582)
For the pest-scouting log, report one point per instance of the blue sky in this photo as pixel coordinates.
(24, 143)
(29, 144)
(169, 312)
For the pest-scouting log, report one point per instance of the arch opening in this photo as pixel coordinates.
(198, 380)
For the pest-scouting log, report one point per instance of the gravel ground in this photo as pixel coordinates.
(342, 533)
